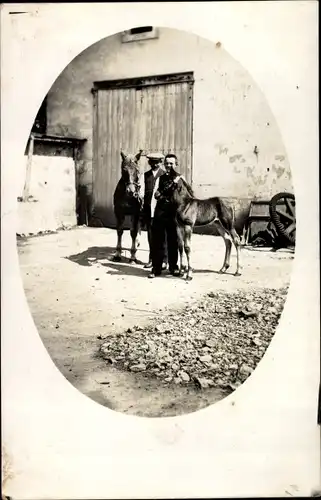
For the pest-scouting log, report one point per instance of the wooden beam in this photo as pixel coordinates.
(28, 169)
(145, 81)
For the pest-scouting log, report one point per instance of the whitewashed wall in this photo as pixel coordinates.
(52, 203)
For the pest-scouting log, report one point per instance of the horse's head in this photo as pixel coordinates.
(130, 173)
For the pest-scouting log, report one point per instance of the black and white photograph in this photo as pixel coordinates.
(156, 224)
(159, 169)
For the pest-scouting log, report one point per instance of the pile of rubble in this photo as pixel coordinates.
(216, 342)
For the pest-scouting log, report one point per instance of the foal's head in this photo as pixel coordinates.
(130, 172)
(176, 189)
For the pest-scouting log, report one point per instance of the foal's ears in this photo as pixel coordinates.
(137, 157)
(122, 154)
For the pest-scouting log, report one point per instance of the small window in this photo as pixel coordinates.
(140, 33)
(142, 29)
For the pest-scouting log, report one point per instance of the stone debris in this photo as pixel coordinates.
(184, 376)
(204, 383)
(201, 345)
(138, 368)
(206, 359)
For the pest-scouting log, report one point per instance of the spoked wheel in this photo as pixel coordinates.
(282, 213)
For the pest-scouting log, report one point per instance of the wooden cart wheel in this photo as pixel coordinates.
(282, 213)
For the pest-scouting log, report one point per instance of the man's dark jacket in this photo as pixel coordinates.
(164, 207)
(150, 181)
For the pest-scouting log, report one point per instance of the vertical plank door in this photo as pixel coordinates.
(153, 114)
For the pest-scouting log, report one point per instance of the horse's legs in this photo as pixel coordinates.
(133, 233)
(237, 244)
(120, 230)
(180, 242)
(228, 245)
(187, 247)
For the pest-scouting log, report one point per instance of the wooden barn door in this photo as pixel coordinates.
(152, 114)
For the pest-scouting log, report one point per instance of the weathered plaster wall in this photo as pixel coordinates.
(237, 148)
(52, 202)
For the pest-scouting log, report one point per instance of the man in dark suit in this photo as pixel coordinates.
(164, 232)
(151, 180)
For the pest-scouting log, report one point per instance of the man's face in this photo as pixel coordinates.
(170, 163)
(155, 164)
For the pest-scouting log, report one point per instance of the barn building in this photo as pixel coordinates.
(160, 89)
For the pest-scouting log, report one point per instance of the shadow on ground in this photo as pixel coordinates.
(124, 269)
(98, 254)
(104, 256)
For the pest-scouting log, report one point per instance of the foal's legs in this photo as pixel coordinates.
(120, 230)
(187, 247)
(228, 245)
(134, 235)
(237, 244)
(229, 237)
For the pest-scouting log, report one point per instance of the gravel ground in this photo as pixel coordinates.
(216, 342)
(78, 296)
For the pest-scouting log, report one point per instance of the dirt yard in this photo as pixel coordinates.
(78, 297)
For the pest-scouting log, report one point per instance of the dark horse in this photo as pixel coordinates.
(127, 201)
(191, 212)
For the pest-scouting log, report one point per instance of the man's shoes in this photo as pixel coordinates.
(154, 273)
(149, 265)
(174, 272)
(164, 266)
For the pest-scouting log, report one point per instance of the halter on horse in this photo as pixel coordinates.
(127, 201)
(191, 212)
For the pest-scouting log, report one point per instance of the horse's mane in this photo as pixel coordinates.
(188, 187)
